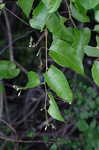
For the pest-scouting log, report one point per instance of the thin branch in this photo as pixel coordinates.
(17, 17)
(69, 12)
(17, 39)
(9, 35)
(46, 93)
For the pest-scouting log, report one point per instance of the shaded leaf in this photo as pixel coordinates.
(26, 6)
(92, 51)
(53, 147)
(8, 70)
(52, 5)
(58, 83)
(82, 125)
(95, 72)
(40, 15)
(53, 109)
(2, 89)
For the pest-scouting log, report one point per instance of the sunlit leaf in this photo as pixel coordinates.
(63, 54)
(92, 51)
(88, 4)
(95, 72)
(96, 28)
(2, 5)
(8, 70)
(97, 40)
(33, 80)
(80, 39)
(40, 15)
(58, 83)
(53, 109)
(79, 13)
(26, 6)
(52, 5)
(97, 15)
(55, 25)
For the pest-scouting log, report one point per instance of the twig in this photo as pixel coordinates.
(9, 35)
(23, 141)
(69, 12)
(1, 99)
(21, 67)
(15, 40)
(46, 65)
(17, 17)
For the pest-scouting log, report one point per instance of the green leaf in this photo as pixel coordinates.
(71, 55)
(52, 5)
(92, 51)
(40, 16)
(63, 54)
(97, 15)
(33, 80)
(2, 5)
(58, 83)
(53, 147)
(2, 89)
(97, 39)
(53, 109)
(93, 124)
(96, 28)
(55, 24)
(26, 6)
(80, 39)
(89, 4)
(82, 125)
(79, 13)
(8, 70)
(95, 72)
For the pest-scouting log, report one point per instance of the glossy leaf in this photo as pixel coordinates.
(8, 70)
(92, 51)
(53, 109)
(58, 83)
(40, 15)
(95, 72)
(63, 54)
(89, 4)
(33, 80)
(26, 6)
(52, 5)
(55, 24)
